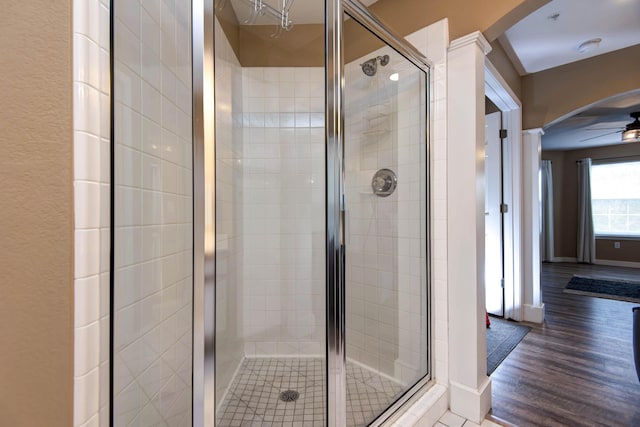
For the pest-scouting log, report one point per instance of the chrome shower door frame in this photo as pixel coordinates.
(204, 249)
(204, 210)
(335, 262)
(335, 201)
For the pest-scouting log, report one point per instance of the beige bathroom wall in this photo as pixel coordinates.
(36, 214)
(499, 59)
(304, 45)
(565, 199)
(553, 94)
(492, 18)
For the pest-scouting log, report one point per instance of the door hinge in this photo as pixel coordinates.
(502, 283)
(504, 208)
(503, 133)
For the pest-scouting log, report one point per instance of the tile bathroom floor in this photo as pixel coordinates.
(253, 398)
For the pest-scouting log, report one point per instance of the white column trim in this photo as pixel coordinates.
(534, 313)
(473, 38)
(470, 386)
(478, 401)
(531, 154)
(533, 131)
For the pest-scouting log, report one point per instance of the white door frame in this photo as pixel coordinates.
(493, 218)
(499, 92)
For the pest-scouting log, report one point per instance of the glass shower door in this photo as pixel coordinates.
(386, 226)
(270, 216)
(152, 225)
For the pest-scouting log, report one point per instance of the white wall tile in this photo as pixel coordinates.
(86, 396)
(93, 421)
(127, 44)
(86, 52)
(88, 338)
(86, 301)
(86, 100)
(86, 157)
(130, 16)
(87, 252)
(87, 215)
(278, 192)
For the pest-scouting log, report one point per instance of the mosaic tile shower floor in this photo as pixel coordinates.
(254, 396)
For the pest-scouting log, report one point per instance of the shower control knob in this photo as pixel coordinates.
(384, 182)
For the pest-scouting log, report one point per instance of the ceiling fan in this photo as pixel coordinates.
(630, 132)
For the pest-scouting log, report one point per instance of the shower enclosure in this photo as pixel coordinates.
(270, 215)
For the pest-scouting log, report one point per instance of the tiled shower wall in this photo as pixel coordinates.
(91, 158)
(270, 216)
(229, 243)
(152, 213)
(386, 242)
(275, 183)
(283, 217)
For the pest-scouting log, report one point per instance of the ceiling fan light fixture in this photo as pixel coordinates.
(632, 130)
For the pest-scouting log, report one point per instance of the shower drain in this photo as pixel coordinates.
(289, 396)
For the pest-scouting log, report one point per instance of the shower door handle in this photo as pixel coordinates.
(343, 228)
(343, 225)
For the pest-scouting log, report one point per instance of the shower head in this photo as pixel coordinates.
(370, 67)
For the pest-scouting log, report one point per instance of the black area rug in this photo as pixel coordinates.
(604, 288)
(502, 337)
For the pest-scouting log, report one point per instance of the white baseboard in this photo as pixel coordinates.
(614, 263)
(609, 262)
(469, 403)
(564, 259)
(534, 313)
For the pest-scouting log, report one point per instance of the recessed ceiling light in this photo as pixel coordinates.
(589, 45)
(394, 77)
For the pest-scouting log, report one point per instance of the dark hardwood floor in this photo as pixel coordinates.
(577, 368)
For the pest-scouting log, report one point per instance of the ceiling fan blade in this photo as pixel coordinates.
(600, 136)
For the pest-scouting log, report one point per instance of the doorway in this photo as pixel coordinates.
(493, 212)
(505, 103)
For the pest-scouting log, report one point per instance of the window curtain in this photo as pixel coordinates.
(586, 236)
(546, 243)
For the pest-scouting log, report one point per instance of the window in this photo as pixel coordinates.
(615, 198)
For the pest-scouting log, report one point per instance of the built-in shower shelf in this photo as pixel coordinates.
(376, 116)
(380, 103)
